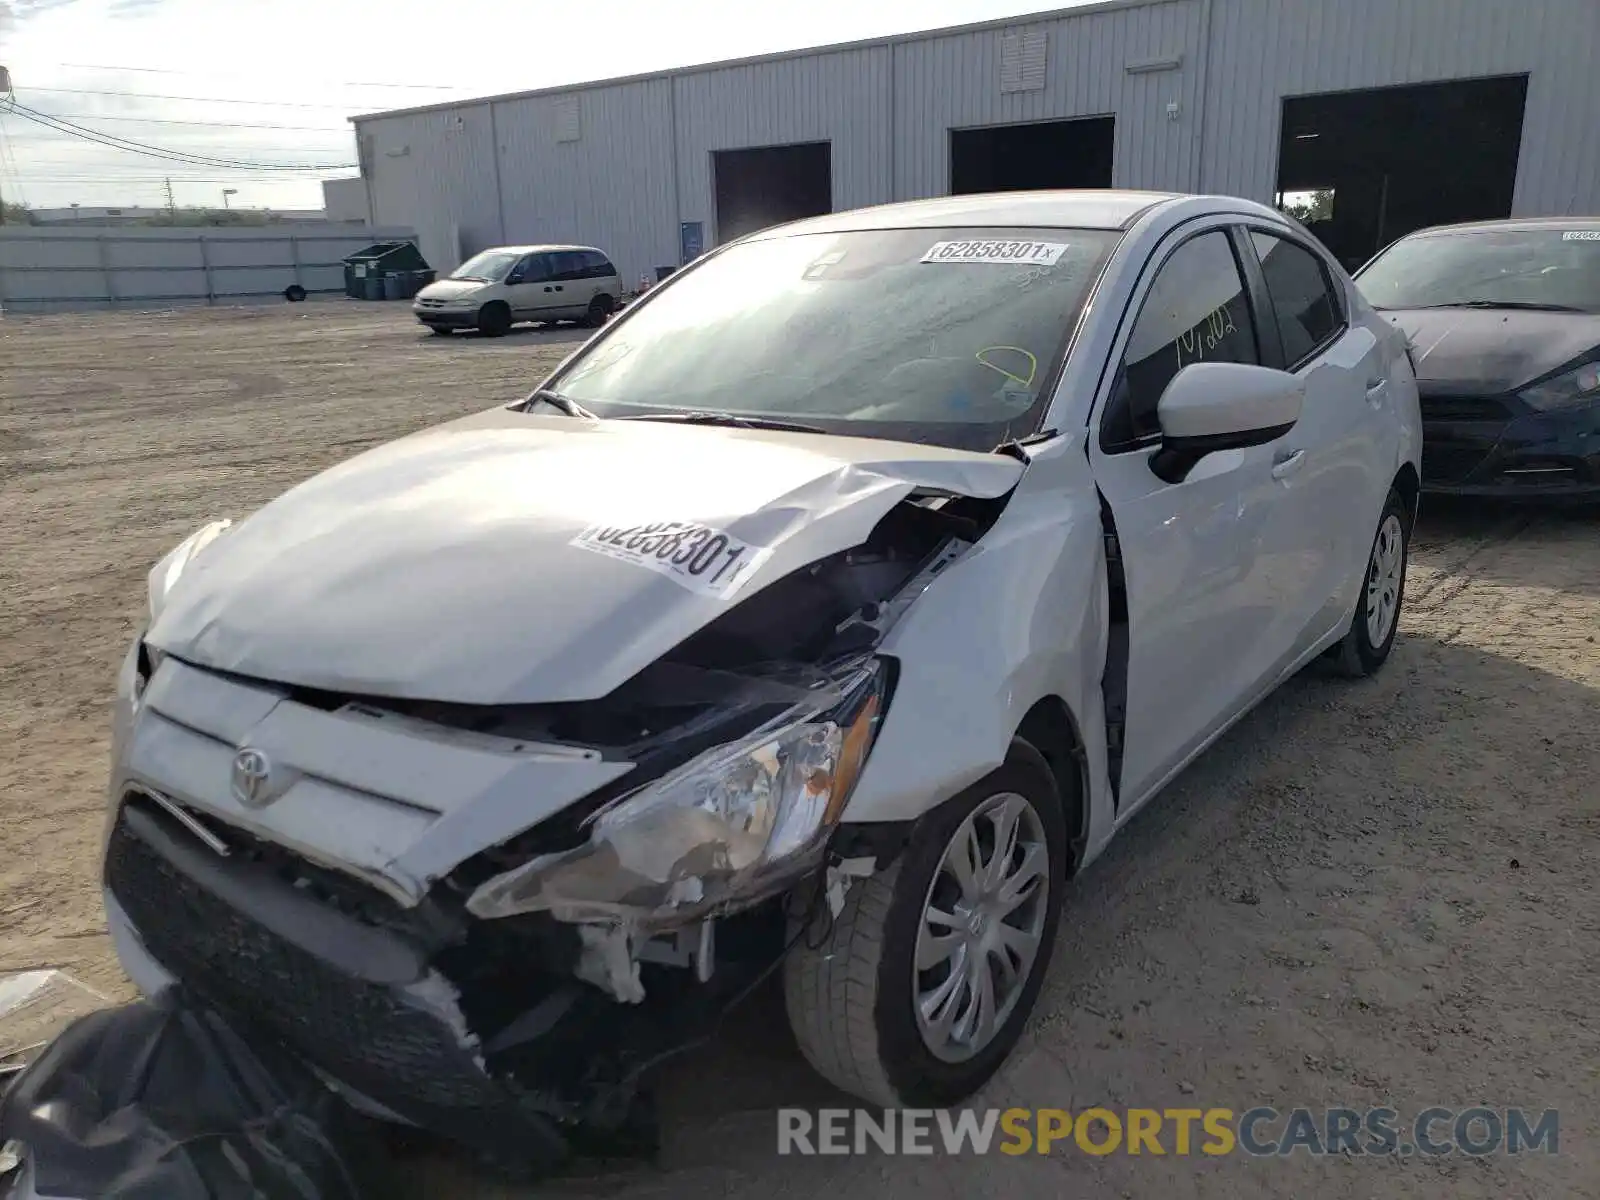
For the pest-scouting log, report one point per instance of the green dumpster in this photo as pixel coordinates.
(364, 271)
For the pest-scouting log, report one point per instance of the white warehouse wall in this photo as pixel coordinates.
(1196, 87)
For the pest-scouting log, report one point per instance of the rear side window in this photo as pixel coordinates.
(1195, 311)
(568, 264)
(1303, 296)
(597, 265)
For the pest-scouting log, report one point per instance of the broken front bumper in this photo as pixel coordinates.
(374, 1010)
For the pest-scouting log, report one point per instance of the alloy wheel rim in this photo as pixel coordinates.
(982, 923)
(1383, 580)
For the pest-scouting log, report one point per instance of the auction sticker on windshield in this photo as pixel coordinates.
(1033, 254)
(706, 560)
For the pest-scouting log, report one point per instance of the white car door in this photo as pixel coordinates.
(1200, 593)
(1347, 436)
(569, 286)
(530, 294)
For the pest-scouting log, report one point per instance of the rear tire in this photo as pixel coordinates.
(494, 319)
(1367, 644)
(858, 1001)
(600, 308)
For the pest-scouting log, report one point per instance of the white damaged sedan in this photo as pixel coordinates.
(822, 614)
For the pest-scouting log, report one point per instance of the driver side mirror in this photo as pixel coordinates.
(516, 276)
(1211, 406)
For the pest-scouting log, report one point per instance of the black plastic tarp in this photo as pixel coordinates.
(167, 1100)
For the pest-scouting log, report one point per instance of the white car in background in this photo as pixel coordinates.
(494, 290)
(825, 612)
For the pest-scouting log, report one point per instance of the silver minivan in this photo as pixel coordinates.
(496, 288)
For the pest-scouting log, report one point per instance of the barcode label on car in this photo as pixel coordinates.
(1034, 254)
(699, 557)
(1581, 235)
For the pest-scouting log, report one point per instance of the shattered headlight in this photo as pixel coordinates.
(1578, 386)
(734, 825)
(167, 571)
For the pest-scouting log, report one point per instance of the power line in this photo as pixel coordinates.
(427, 87)
(211, 124)
(99, 137)
(190, 99)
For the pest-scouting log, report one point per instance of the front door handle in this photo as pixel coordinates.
(558, 287)
(1288, 465)
(548, 288)
(1376, 392)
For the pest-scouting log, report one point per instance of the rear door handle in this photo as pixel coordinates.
(1288, 465)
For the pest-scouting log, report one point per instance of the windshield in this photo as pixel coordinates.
(1555, 268)
(943, 336)
(490, 266)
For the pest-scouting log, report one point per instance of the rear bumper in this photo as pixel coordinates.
(1540, 456)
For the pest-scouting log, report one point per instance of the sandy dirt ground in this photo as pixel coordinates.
(1380, 893)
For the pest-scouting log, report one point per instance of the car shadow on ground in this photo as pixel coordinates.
(555, 334)
(1509, 543)
(1269, 926)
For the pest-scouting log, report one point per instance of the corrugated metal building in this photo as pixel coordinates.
(1237, 96)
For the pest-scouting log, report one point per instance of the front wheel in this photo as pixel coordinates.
(494, 319)
(925, 980)
(1367, 644)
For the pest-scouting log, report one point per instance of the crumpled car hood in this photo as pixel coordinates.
(443, 566)
(1486, 352)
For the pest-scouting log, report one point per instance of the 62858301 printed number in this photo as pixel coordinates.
(699, 557)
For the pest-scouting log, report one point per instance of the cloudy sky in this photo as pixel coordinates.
(257, 82)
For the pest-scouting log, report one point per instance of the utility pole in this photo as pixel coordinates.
(172, 205)
(5, 91)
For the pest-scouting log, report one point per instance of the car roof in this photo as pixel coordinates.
(1079, 209)
(546, 246)
(1512, 225)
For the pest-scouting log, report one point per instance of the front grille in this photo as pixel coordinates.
(1465, 408)
(361, 1033)
(431, 303)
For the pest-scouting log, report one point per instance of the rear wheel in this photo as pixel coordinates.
(924, 983)
(1372, 631)
(494, 319)
(599, 309)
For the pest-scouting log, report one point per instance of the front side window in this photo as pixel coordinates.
(1308, 310)
(1195, 311)
(536, 268)
(1549, 268)
(944, 336)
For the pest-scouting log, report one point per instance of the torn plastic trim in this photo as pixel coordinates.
(724, 831)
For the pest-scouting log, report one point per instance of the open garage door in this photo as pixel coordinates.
(1039, 154)
(1364, 168)
(768, 185)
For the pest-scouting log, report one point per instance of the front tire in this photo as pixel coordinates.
(1367, 644)
(494, 319)
(925, 981)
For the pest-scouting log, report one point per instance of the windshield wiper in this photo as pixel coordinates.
(1526, 305)
(560, 403)
(736, 420)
